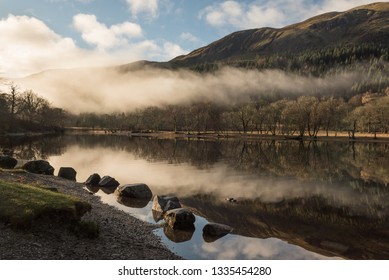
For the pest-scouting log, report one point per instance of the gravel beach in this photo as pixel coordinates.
(122, 237)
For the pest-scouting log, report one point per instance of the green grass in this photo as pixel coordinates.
(23, 206)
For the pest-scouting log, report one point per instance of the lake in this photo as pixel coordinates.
(292, 200)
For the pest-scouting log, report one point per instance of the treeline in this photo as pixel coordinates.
(303, 116)
(370, 59)
(28, 112)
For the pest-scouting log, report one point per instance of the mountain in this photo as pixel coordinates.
(365, 27)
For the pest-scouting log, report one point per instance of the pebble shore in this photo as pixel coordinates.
(122, 237)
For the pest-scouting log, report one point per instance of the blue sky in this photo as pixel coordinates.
(45, 34)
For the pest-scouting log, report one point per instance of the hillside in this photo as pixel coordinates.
(366, 26)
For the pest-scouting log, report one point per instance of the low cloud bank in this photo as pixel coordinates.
(105, 90)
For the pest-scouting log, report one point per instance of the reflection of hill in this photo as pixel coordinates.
(311, 223)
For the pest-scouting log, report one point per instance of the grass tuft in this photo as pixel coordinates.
(23, 206)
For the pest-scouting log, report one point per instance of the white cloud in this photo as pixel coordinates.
(187, 36)
(231, 14)
(98, 34)
(148, 7)
(242, 16)
(341, 5)
(171, 50)
(28, 45)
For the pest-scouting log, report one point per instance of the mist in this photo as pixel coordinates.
(107, 90)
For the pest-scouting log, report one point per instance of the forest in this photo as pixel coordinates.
(299, 116)
(303, 116)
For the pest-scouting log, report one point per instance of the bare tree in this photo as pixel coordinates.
(31, 105)
(13, 99)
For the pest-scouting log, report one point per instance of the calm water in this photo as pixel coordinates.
(294, 200)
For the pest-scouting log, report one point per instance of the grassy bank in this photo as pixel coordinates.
(23, 206)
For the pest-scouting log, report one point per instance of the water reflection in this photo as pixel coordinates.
(295, 200)
(178, 235)
(133, 202)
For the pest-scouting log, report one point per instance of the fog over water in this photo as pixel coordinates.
(107, 90)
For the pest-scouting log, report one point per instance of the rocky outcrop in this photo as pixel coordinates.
(180, 218)
(67, 173)
(93, 180)
(39, 167)
(7, 162)
(137, 191)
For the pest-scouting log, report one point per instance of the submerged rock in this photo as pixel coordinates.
(7, 162)
(39, 167)
(180, 218)
(67, 173)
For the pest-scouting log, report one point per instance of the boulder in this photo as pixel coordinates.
(108, 182)
(93, 180)
(39, 167)
(180, 218)
(213, 231)
(7, 162)
(161, 204)
(138, 191)
(67, 173)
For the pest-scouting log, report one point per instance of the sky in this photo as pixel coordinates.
(36, 35)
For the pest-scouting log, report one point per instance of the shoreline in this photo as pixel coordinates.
(122, 236)
(340, 136)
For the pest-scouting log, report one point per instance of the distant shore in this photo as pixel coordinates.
(122, 237)
(250, 136)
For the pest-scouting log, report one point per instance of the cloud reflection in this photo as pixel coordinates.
(238, 247)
